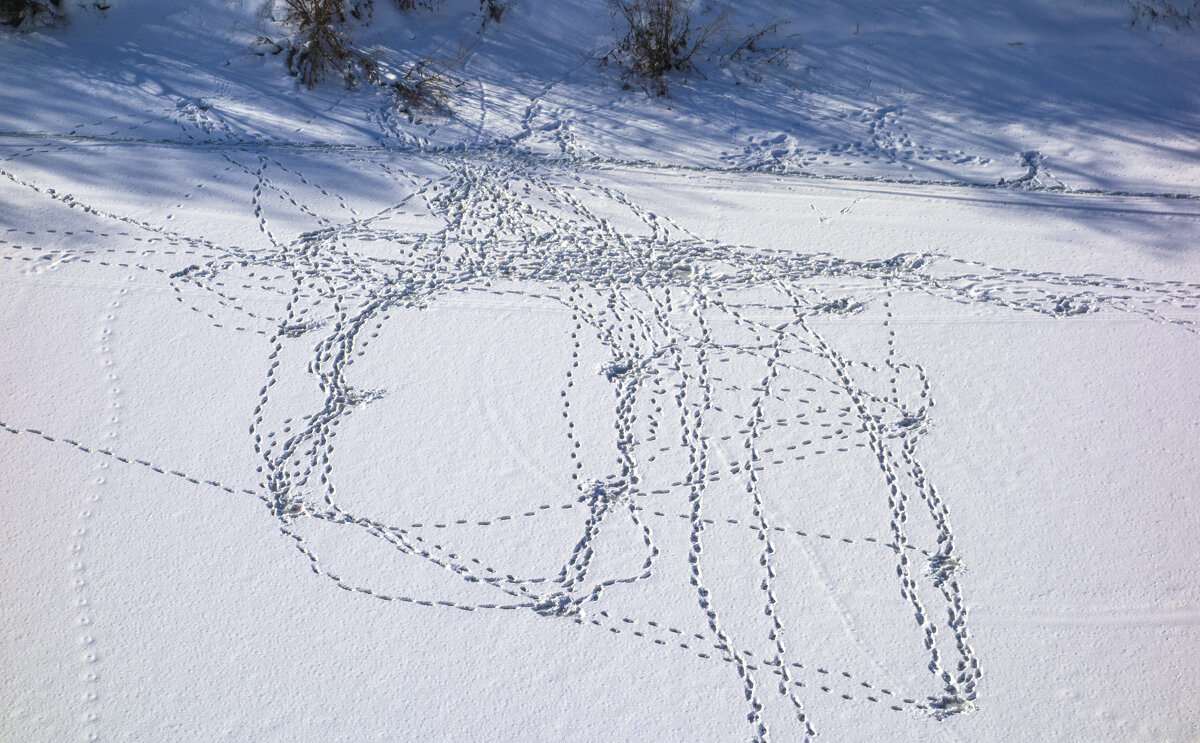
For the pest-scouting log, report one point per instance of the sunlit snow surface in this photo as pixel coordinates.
(523, 439)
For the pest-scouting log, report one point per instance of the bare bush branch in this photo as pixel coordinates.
(30, 12)
(754, 43)
(426, 84)
(1178, 14)
(493, 10)
(322, 43)
(762, 46)
(659, 38)
(416, 4)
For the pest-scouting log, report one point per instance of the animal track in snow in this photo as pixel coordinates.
(711, 367)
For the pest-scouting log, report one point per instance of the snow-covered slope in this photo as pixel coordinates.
(909, 90)
(852, 398)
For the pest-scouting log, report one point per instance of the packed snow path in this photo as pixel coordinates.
(720, 413)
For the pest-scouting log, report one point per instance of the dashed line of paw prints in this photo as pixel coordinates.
(956, 697)
(73, 203)
(449, 604)
(461, 203)
(615, 625)
(62, 256)
(162, 470)
(873, 693)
